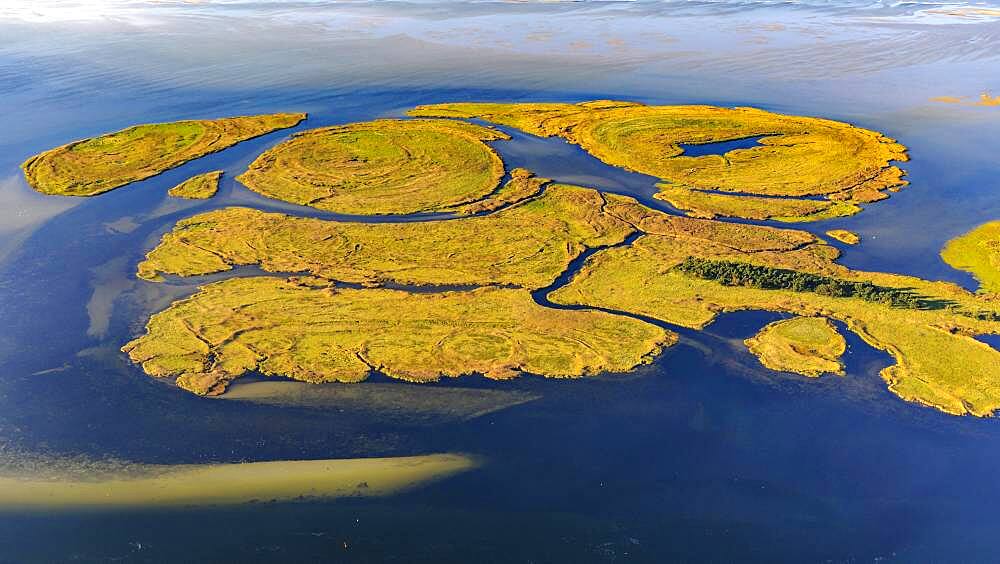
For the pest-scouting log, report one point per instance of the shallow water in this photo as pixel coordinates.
(703, 455)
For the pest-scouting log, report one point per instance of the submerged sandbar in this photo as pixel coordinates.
(227, 484)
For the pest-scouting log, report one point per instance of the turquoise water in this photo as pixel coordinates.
(703, 456)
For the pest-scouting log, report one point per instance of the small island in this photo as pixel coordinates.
(308, 331)
(844, 236)
(96, 165)
(381, 167)
(810, 346)
(200, 187)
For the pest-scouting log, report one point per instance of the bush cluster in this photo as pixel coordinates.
(731, 273)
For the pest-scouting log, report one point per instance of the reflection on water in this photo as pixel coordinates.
(703, 455)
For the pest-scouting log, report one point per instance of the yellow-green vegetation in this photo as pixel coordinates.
(810, 346)
(381, 167)
(522, 236)
(698, 203)
(525, 245)
(315, 333)
(799, 156)
(937, 360)
(200, 187)
(93, 166)
(227, 484)
(978, 252)
(844, 236)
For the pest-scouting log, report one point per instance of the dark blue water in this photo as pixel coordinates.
(721, 147)
(702, 456)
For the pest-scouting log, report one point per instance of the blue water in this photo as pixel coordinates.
(721, 147)
(701, 456)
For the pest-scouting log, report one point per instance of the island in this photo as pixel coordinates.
(810, 346)
(388, 166)
(96, 165)
(314, 333)
(199, 187)
(844, 236)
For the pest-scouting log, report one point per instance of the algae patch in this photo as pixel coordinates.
(96, 165)
(200, 187)
(985, 99)
(810, 346)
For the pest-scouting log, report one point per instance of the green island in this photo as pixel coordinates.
(199, 187)
(977, 252)
(146, 485)
(810, 346)
(796, 157)
(844, 236)
(484, 290)
(96, 165)
(386, 166)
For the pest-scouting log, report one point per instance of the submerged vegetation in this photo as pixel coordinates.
(798, 156)
(381, 167)
(143, 486)
(810, 346)
(200, 187)
(99, 164)
(977, 252)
